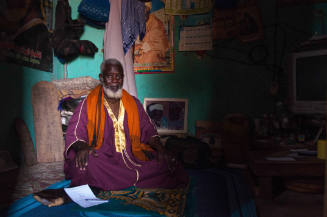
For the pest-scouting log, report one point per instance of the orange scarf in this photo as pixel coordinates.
(96, 121)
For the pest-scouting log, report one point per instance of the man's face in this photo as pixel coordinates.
(157, 114)
(112, 78)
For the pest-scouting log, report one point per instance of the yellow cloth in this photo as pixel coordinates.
(120, 142)
(321, 149)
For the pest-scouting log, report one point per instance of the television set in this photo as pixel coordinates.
(308, 82)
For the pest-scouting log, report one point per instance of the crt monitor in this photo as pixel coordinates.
(308, 81)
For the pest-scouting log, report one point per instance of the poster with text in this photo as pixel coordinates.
(25, 27)
(188, 7)
(195, 38)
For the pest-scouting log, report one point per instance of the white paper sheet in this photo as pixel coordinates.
(195, 38)
(83, 196)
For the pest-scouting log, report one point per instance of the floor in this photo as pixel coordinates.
(21, 182)
(291, 204)
(18, 183)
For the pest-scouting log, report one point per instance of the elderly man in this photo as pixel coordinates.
(111, 143)
(156, 113)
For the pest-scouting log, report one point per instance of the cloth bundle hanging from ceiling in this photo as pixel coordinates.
(65, 40)
(95, 12)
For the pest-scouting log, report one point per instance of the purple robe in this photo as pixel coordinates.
(113, 170)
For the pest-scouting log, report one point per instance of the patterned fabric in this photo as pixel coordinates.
(168, 202)
(97, 10)
(132, 22)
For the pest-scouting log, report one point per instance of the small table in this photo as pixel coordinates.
(265, 170)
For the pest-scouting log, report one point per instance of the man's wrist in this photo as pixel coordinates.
(155, 143)
(80, 145)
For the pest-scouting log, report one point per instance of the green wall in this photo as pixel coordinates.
(17, 102)
(223, 81)
(83, 66)
(212, 86)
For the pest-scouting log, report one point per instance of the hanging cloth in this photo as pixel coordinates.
(113, 46)
(96, 10)
(133, 22)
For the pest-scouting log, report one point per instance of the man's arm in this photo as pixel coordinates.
(77, 128)
(149, 134)
(77, 147)
(82, 150)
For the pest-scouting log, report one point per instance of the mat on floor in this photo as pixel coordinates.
(212, 192)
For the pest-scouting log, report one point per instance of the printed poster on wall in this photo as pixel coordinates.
(187, 7)
(243, 22)
(155, 53)
(195, 38)
(24, 33)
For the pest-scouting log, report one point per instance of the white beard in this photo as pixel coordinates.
(111, 94)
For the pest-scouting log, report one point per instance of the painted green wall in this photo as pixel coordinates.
(226, 81)
(83, 66)
(215, 85)
(17, 102)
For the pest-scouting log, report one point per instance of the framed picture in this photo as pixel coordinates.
(155, 53)
(169, 115)
(243, 22)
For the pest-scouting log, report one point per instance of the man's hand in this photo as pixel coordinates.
(162, 153)
(155, 143)
(83, 150)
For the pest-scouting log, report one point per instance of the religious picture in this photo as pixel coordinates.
(167, 114)
(242, 22)
(155, 54)
(25, 27)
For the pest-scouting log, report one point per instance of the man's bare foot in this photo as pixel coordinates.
(50, 203)
(52, 197)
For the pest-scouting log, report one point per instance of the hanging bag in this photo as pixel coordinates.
(95, 10)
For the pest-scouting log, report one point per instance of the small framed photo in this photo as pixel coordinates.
(169, 115)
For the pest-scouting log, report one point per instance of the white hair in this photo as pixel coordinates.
(107, 91)
(113, 63)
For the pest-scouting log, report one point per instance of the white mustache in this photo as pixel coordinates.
(111, 94)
